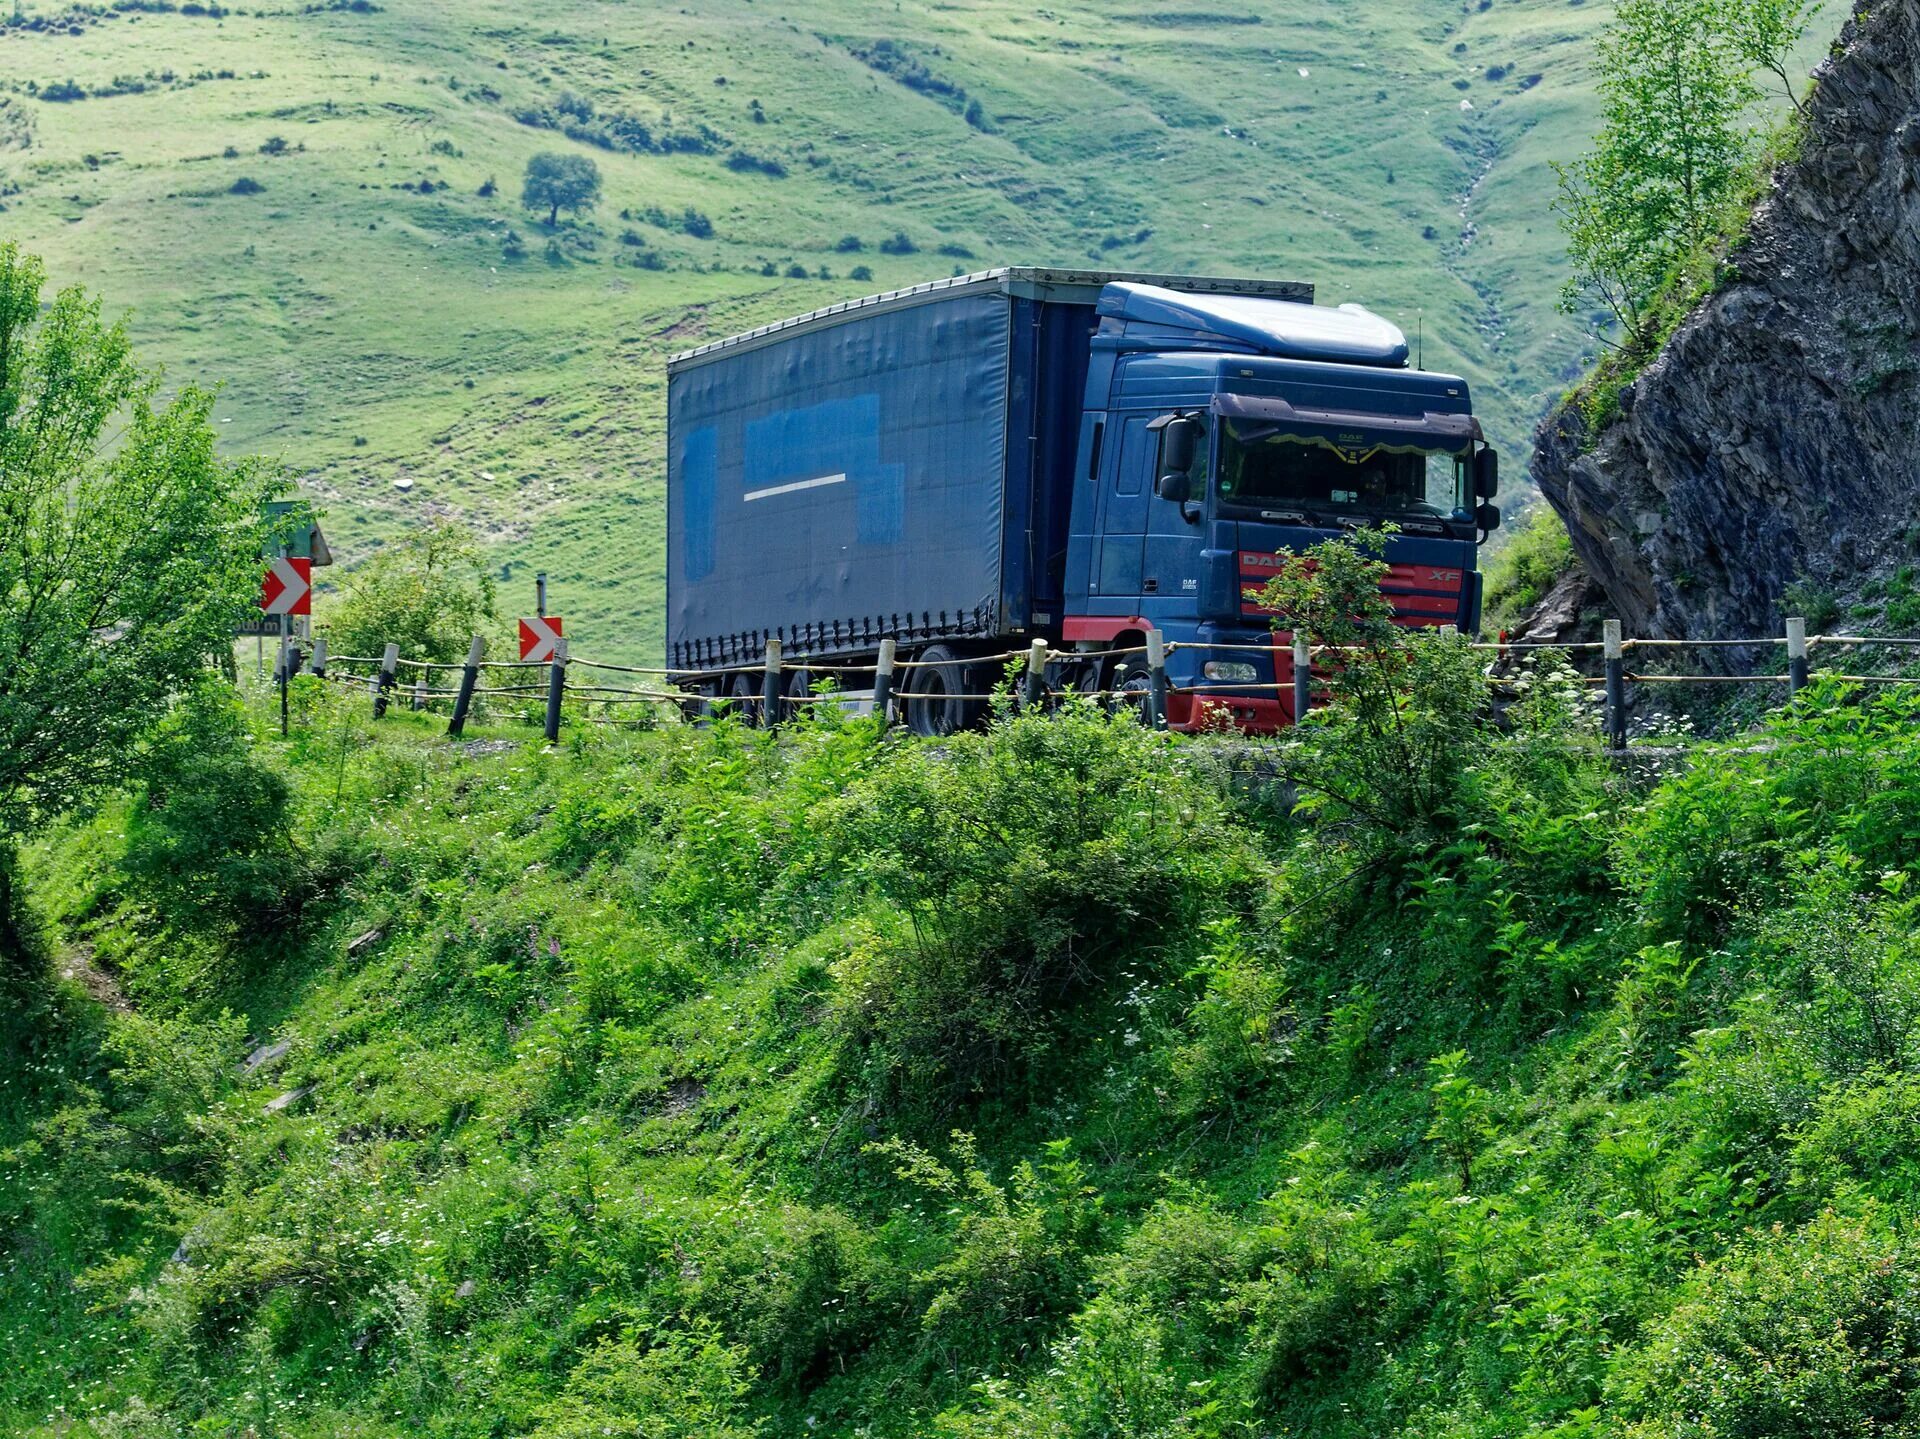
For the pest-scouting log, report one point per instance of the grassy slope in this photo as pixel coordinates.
(639, 1007)
(528, 394)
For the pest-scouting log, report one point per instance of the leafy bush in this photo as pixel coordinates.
(428, 592)
(679, 1383)
(1024, 864)
(209, 832)
(1800, 1333)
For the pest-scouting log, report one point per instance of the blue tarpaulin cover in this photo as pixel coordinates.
(840, 476)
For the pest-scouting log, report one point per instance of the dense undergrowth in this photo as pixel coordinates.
(1056, 1081)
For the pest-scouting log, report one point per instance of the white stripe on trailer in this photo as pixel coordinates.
(772, 490)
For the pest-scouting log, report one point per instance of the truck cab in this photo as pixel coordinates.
(1219, 434)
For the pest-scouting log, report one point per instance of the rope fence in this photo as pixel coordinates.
(1040, 675)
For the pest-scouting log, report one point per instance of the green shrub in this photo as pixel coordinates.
(1796, 1334)
(428, 592)
(1016, 1254)
(1024, 863)
(675, 1383)
(210, 829)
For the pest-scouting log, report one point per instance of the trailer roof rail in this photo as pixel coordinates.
(1066, 286)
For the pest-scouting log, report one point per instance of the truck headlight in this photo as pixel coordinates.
(1229, 672)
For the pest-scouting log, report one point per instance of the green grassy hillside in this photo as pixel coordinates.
(373, 325)
(1056, 1083)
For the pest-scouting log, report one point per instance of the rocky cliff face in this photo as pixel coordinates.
(1777, 437)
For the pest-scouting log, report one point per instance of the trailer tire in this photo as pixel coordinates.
(799, 690)
(940, 678)
(745, 695)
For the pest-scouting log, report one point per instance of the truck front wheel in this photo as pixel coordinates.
(938, 684)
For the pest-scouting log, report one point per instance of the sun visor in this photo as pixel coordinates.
(1353, 435)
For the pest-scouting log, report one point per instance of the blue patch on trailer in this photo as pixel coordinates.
(699, 486)
(796, 452)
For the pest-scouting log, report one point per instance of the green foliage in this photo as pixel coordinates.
(430, 593)
(613, 1088)
(116, 518)
(1807, 1332)
(1407, 710)
(682, 1384)
(556, 182)
(209, 830)
(1672, 148)
(1533, 555)
(1020, 868)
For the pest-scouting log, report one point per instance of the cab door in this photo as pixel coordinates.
(1126, 492)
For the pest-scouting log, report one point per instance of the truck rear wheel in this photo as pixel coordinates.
(938, 681)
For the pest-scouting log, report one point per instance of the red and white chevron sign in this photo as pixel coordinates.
(288, 588)
(539, 636)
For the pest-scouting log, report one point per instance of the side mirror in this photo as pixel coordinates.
(1179, 438)
(1486, 475)
(1175, 486)
(1487, 518)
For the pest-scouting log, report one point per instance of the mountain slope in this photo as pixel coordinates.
(372, 326)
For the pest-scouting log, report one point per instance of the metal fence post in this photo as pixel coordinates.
(770, 687)
(556, 690)
(383, 682)
(1034, 691)
(1302, 676)
(1796, 655)
(320, 657)
(883, 683)
(1156, 680)
(1616, 686)
(469, 677)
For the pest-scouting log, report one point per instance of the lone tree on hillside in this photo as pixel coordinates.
(560, 182)
(128, 552)
(1676, 143)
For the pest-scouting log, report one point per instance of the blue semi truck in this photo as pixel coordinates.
(1077, 456)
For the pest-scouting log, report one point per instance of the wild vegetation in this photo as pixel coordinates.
(1422, 1074)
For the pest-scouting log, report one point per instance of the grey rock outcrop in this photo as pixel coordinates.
(1777, 436)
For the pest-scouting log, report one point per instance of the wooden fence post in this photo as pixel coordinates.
(556, 690)
(320, 657)
(770, 687)
(1034, 691)
(1616, 686)
(883, 682)
(469, 677)
(1796, 655)
(1156, 680)
(1302, 676)
(419, 701)
(383, 682)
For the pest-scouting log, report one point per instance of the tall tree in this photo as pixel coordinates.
(128, 550)
(560, 182)
(1674, 142)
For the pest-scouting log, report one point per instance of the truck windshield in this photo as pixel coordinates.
(1267, 469)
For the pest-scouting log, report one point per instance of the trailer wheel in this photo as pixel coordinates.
(940, 679)
(799, 690)
(745, 695)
